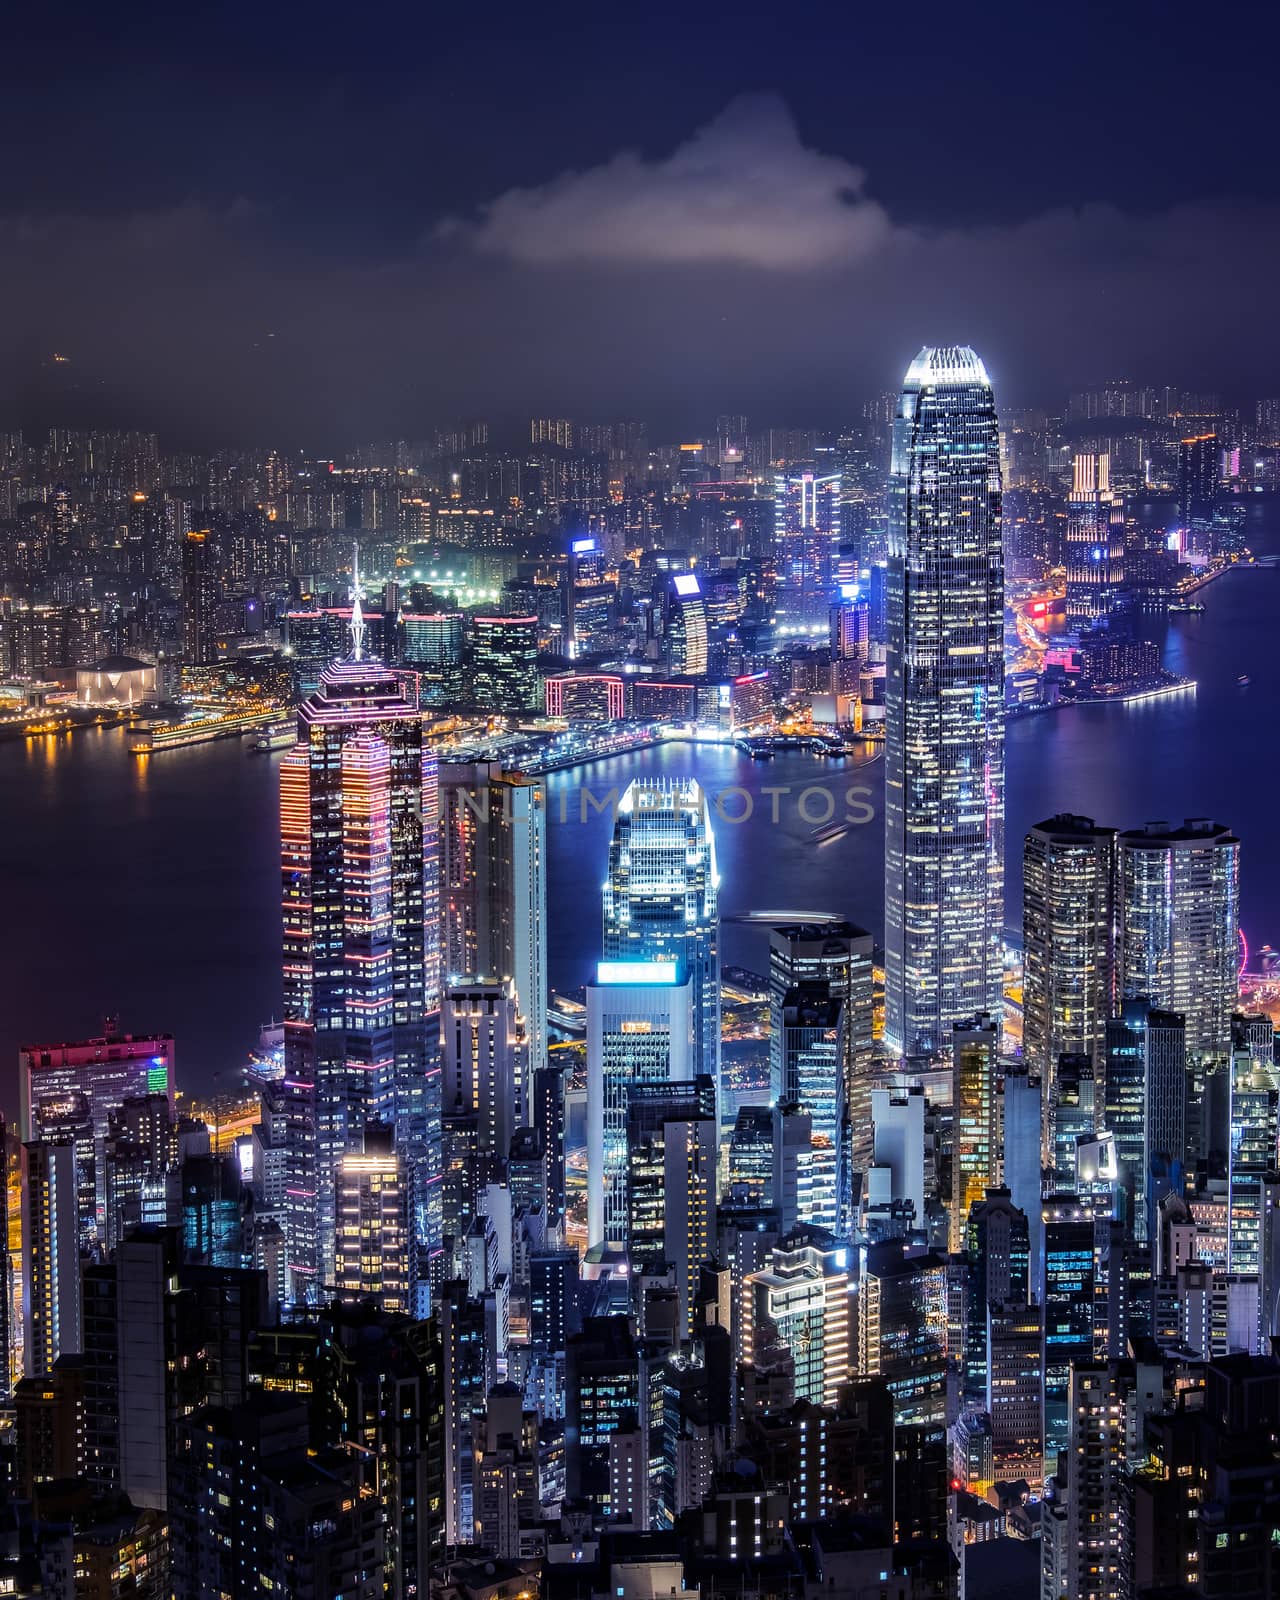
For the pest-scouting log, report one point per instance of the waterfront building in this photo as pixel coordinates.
(200, 593)
(586, 697)
(434, 644)
(504, 664)
(105, 1072)
(944, 706)
(661, 896)
(359, 823)
(1093, 552)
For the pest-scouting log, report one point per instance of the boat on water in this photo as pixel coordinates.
(277, 736)
(829, 834)
(1244, 680)
(1186, 607)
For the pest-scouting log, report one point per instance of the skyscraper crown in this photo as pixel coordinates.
(946, 365)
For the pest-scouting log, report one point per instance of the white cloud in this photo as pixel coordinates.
(742, 191)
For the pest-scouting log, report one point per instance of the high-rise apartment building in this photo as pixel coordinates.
(661, 896)
(798, 1306)
(200, 592)
(359, 821)
(944, 706)
(493, 836)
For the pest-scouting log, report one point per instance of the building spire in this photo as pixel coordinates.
(357, 612)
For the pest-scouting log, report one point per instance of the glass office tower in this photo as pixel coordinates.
(661, 896)
(944, 705)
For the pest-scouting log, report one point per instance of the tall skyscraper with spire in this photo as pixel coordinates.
(359, 829)
(944, 705)
(661, 896)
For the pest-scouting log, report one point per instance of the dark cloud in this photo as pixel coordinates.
(743, 269)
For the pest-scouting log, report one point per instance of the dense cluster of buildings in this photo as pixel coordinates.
(664, 575)
(501, 1295)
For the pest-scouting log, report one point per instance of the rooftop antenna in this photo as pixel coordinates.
(357, 613)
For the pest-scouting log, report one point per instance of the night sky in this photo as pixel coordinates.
(318, 224)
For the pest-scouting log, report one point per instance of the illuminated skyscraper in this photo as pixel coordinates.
(640, 1029)
(839, 955)
(435, 645)
(486, 1093)
(810, 1025)
(1069, 984)
(661, 896)
(944, 694)
(1199, 458)
(360, 877)
(1179, 946)
(806, 531)
(1180, 925)
(1069, 1291)
(199, 597)
(1094, 553)
(1255, 1097)
(686, 623)
(504, 663)
(493, 834)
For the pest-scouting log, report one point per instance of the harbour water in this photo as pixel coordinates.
(151, 888)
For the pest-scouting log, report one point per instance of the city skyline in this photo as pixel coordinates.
(736, 1117)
